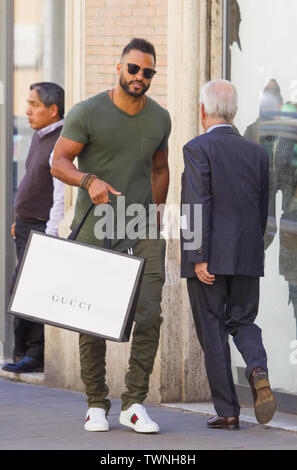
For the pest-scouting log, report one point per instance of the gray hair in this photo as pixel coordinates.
(50, 93)
(220, 99)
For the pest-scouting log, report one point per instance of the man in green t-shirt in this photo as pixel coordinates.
(121, 139)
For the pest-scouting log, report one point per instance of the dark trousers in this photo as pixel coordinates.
(28, 335)
(229, 306)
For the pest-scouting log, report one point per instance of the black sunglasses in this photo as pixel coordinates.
(133, 69)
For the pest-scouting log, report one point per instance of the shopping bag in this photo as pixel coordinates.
(80, 287)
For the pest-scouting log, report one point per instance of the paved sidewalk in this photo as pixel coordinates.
(34, 417)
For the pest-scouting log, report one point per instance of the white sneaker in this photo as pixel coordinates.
(136, 417)
(96, 420)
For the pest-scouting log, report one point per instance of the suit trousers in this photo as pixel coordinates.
(28, 335)
(229, 306)
(145, 336)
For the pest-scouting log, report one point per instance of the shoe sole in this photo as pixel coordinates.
(152, 430)
(229, 427)
(96, 428)
(265, 404)
(38, 369)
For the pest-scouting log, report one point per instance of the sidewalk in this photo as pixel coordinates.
(34, 417)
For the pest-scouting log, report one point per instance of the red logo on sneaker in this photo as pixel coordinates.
(87, 419)
(134, 419)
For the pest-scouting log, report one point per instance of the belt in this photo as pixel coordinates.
(32, 221)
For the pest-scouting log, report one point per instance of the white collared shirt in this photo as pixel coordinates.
(50, 128)
(218, 125)
(57, 210)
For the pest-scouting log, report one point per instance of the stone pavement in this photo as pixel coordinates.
(34, 417)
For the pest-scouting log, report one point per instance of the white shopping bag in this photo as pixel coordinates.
(79, 287)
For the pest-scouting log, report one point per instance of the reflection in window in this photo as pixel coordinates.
(276, 130)
(261, 64)
(39, 27)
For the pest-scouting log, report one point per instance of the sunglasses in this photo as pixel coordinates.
(133, 69)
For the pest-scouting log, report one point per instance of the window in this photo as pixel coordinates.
(39, 27)
(32, 33)
(260, 61)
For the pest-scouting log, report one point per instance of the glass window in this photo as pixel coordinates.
(261, 63)
(39, 29)
(32, 34)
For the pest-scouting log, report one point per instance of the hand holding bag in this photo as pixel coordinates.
(68, 284)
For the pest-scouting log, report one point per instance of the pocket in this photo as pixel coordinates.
(149, 146)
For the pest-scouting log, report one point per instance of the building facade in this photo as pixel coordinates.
(195, 40)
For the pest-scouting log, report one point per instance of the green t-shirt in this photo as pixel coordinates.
(118, 149)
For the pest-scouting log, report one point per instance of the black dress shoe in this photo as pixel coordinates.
(264, 401)
(221, 422)
(18, 357)
(28, 364)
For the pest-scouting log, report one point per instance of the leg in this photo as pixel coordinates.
(29, 340)
(20, 325)
(20, 335)
(35, 341)
(29, 336)
(148, 320)
(241, 312)
(93, 368)
(208, 307)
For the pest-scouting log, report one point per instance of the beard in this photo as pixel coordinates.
(126, 87)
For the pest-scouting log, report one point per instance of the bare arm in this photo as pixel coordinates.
(160, 180)
(160, 176)
(64, 169)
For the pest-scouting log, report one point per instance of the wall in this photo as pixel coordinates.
(188, 53)
(110, 24)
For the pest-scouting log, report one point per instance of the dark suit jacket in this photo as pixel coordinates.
(228, 175)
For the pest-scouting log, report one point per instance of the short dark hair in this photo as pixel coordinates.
(50, 93)
(141, 45)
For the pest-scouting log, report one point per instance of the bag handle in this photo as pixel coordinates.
(73, 235)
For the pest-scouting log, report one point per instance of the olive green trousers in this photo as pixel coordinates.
(145, 336)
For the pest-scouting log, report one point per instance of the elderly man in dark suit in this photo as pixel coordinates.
(226, 176)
